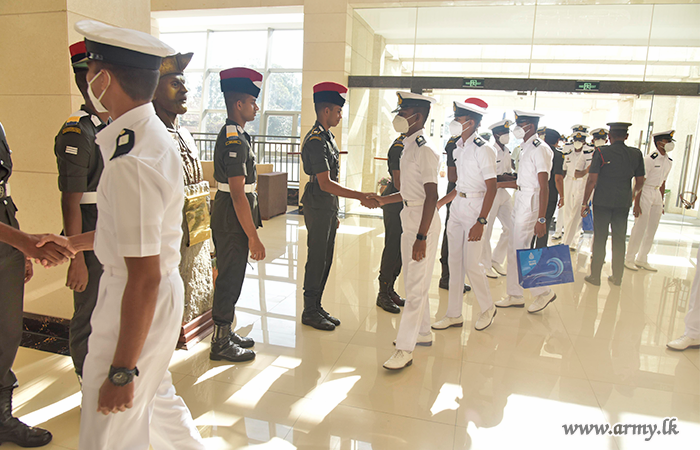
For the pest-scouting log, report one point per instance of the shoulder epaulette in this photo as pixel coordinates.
(654, 155)
(420, 140)
(125, 143)
(232, 136)
(399, 141)
(479, 142)
(536, 142)
(72, 124)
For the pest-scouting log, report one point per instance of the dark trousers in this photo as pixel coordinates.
(391, 256)
(321, 227)
(551, 207)
(231, 260)
(604, 219)
(445, 251)
(12, 304)
(83, 305)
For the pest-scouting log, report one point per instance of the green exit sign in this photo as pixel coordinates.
(588, 86)
(472, 83)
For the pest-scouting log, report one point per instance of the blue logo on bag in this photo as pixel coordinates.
(545, 266)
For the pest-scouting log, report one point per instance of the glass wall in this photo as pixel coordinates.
(618, 41)
(276, 53)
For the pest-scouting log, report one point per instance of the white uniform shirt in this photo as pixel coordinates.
(535, 157)
(419, 165)
(585, 160)
(476, 162)
(503, 160)
(657, 168)
(572, 161)
(140, 193)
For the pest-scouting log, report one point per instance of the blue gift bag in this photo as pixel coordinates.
(587, 222)
(545, 266)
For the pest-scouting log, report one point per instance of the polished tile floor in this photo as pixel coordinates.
(595, 356)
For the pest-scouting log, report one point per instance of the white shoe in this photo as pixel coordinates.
(630, 265)
(485, 319)
(399, 360)
(556, 237)
(499, 268)
(425, 340)
(541, 302)
(447, 322)
(509, 301)
(490, 273)
(683, 343)
(646, 266)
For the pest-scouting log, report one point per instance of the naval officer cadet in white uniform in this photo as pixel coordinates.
(420, 222)
(502, 209)
(471, 201)
(529, 208)
(657, 166)
(129, 400)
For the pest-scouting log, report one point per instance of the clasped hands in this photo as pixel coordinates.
(371, 200)
(49, 250)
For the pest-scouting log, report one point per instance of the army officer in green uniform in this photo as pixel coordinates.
(611, 172)
(235, 214)
(319, 154)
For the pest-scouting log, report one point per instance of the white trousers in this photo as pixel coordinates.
(417, 275)
(645, 226)
(525, 215)
(464, 256)
(692, 317)
(159, 417)
(502, 210)
(573, 201)
(563, 213)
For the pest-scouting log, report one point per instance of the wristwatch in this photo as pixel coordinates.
(121, 376)
(542, 220)
(421, 237)
(482, 220)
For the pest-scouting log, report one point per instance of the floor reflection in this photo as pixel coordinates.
(597, 355)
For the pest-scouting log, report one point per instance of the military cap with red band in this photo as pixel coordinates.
(241, 79)
(78, 56)
(330, 92)
(473, 104)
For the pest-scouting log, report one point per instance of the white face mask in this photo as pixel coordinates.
(599, 142)
(456, 128)
(504, 139)
(669, 146)
(578, 145)
(518, 132)
(96, 102)
(401, 124)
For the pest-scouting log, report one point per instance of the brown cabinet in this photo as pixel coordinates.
(272, 194)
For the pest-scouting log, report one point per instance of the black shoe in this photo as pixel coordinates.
(615, 281)
(23, 435)
(335, 321)
(314, 319)
(16, 432)
(385, 302)
(593, 281)
(242, 341)
(222, 347)
(445, 284)
(396, 298)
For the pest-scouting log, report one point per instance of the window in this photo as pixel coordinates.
(276, 53)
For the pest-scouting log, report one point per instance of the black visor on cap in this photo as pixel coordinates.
(500, 130)
(244, 85)
(329, 97)
(121, 56)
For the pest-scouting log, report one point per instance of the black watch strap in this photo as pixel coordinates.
(421, 237)
(482, 220)
(121, 376)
